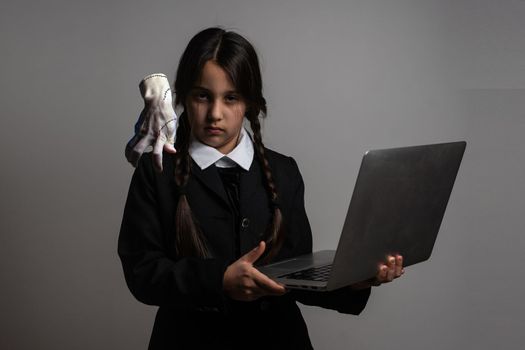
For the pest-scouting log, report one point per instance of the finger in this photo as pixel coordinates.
(399, 265)
(267, 285)
(391, 261)
(137, 151)
(391, 268)
(381, 275)
(168, 147)
(157, 152)
(255, 253)
(270, 287)
(171, 131)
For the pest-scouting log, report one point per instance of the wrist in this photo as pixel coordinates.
(155, 88)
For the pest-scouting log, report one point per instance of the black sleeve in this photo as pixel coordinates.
(151, 275)
(344, 300)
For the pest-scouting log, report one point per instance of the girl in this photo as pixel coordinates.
(190, 235)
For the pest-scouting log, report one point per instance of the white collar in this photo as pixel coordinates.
(205, 155)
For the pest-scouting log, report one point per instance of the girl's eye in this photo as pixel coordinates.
(232, 98)
(201, 96)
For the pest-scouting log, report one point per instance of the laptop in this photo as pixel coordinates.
(397, 207)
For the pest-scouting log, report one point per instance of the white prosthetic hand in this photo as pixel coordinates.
(157, 122)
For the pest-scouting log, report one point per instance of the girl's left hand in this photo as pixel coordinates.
(392, 270)
(386, 272)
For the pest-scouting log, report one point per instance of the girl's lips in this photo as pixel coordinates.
(213, 131)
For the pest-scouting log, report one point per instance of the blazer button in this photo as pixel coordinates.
(245, 222)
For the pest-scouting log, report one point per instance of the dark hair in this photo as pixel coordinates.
(238, 58)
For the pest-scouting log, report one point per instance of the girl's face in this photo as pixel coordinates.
(215, 109)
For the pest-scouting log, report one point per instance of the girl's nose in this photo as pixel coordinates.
(215, 111)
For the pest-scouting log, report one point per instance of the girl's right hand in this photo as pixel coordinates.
(244, 282)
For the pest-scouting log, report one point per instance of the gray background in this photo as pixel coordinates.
(340, 77)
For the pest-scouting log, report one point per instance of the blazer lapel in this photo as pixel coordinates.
(211, 179)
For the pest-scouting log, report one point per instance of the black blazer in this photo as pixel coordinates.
(194, 311)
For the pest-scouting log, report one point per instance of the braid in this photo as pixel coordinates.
(182, 169)
(189, 241)
(275, 232)
(259, 148)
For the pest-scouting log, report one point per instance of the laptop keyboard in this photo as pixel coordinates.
(319, 273)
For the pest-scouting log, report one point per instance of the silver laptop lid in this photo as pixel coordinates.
(397, 206)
